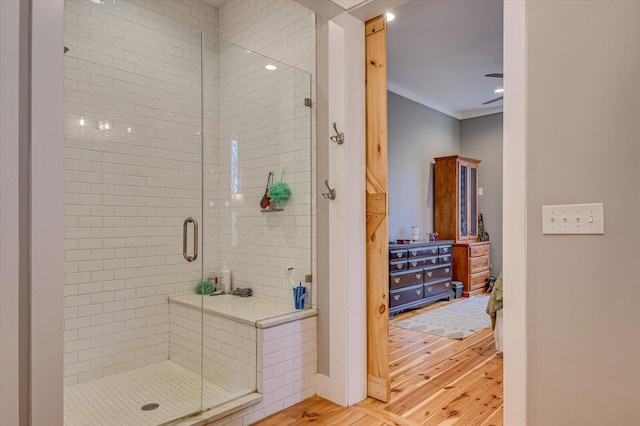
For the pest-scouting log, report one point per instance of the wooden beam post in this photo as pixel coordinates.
(378, 381)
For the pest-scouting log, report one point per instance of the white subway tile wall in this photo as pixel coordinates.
(287, 365)
(287, 361)
(279, 29)
(229, 348)
(264, 122)
(285, 31)
(132, 174)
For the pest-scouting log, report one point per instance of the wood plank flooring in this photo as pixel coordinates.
(434, 381)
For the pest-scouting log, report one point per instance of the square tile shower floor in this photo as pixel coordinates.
(118, 400)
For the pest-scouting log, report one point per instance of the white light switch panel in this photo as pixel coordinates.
(573, 219)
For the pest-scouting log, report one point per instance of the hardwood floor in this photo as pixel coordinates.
(434, 381)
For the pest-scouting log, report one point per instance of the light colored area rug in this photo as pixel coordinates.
(456, 320)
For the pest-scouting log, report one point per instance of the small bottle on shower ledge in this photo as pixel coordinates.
(225, 278)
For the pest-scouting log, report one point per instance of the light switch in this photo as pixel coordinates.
(573, 219)
(480, 191)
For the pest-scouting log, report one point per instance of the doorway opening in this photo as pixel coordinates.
(398, 371)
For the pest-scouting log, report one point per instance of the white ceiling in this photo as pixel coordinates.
(440, 50)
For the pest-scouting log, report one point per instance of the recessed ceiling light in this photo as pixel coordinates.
(271, 67)
(390, 16)
(500, 90)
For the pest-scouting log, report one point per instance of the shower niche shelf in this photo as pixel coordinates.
(272, 209)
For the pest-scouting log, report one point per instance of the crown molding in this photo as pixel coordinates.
(459, 115)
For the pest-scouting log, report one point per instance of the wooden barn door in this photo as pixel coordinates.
(378, 381)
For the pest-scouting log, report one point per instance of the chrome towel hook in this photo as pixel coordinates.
(339, 137)
(331, 195)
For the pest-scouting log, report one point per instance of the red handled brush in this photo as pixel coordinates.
(265, 200)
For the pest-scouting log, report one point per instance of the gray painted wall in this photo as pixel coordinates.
(481, 138)
(582, 132)
(417, 134)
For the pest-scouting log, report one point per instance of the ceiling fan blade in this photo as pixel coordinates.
(493, 100)
(495, 74)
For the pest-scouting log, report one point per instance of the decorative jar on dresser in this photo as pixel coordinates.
(419, 274)
(456, 218)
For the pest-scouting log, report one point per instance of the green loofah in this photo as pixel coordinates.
(279, 192)
(204, 287)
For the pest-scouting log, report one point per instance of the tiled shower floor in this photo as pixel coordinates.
(117, 400)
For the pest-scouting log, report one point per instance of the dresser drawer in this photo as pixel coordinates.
(437, 288)
(477, 251)
(397, 254)
(444, 259)
(437, 273)
(478, 264)
(407, 295)
(478, 280)
(423, 252)
(403, 279)
(399, 265)
(444, 249)
(421, 262)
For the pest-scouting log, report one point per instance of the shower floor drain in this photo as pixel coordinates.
(149, 407)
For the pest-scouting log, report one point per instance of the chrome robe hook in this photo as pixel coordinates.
(339, 137)
(331, 195)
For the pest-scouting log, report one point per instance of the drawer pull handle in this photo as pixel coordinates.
(400, 265)
(446, 285)
(419, 276)
(445, 250)
(401, 254)
(434, 251)
(418, 292)
(396, 280)
(434, 261)
(413, 253)
(414, 264)
(446, 270)
(429, 274)
(429, 289)
(396, 297)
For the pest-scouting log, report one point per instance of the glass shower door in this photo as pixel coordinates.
(264, 128)
(133, 195)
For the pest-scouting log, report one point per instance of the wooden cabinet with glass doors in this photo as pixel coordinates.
(456, 218)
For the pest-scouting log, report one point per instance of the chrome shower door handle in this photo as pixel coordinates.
(195, 239)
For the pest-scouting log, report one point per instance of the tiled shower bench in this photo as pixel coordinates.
(259, 348)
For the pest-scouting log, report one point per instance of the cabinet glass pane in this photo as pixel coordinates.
(473, 201)
(463, 201)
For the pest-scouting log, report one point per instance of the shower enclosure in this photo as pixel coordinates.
(170, 134)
